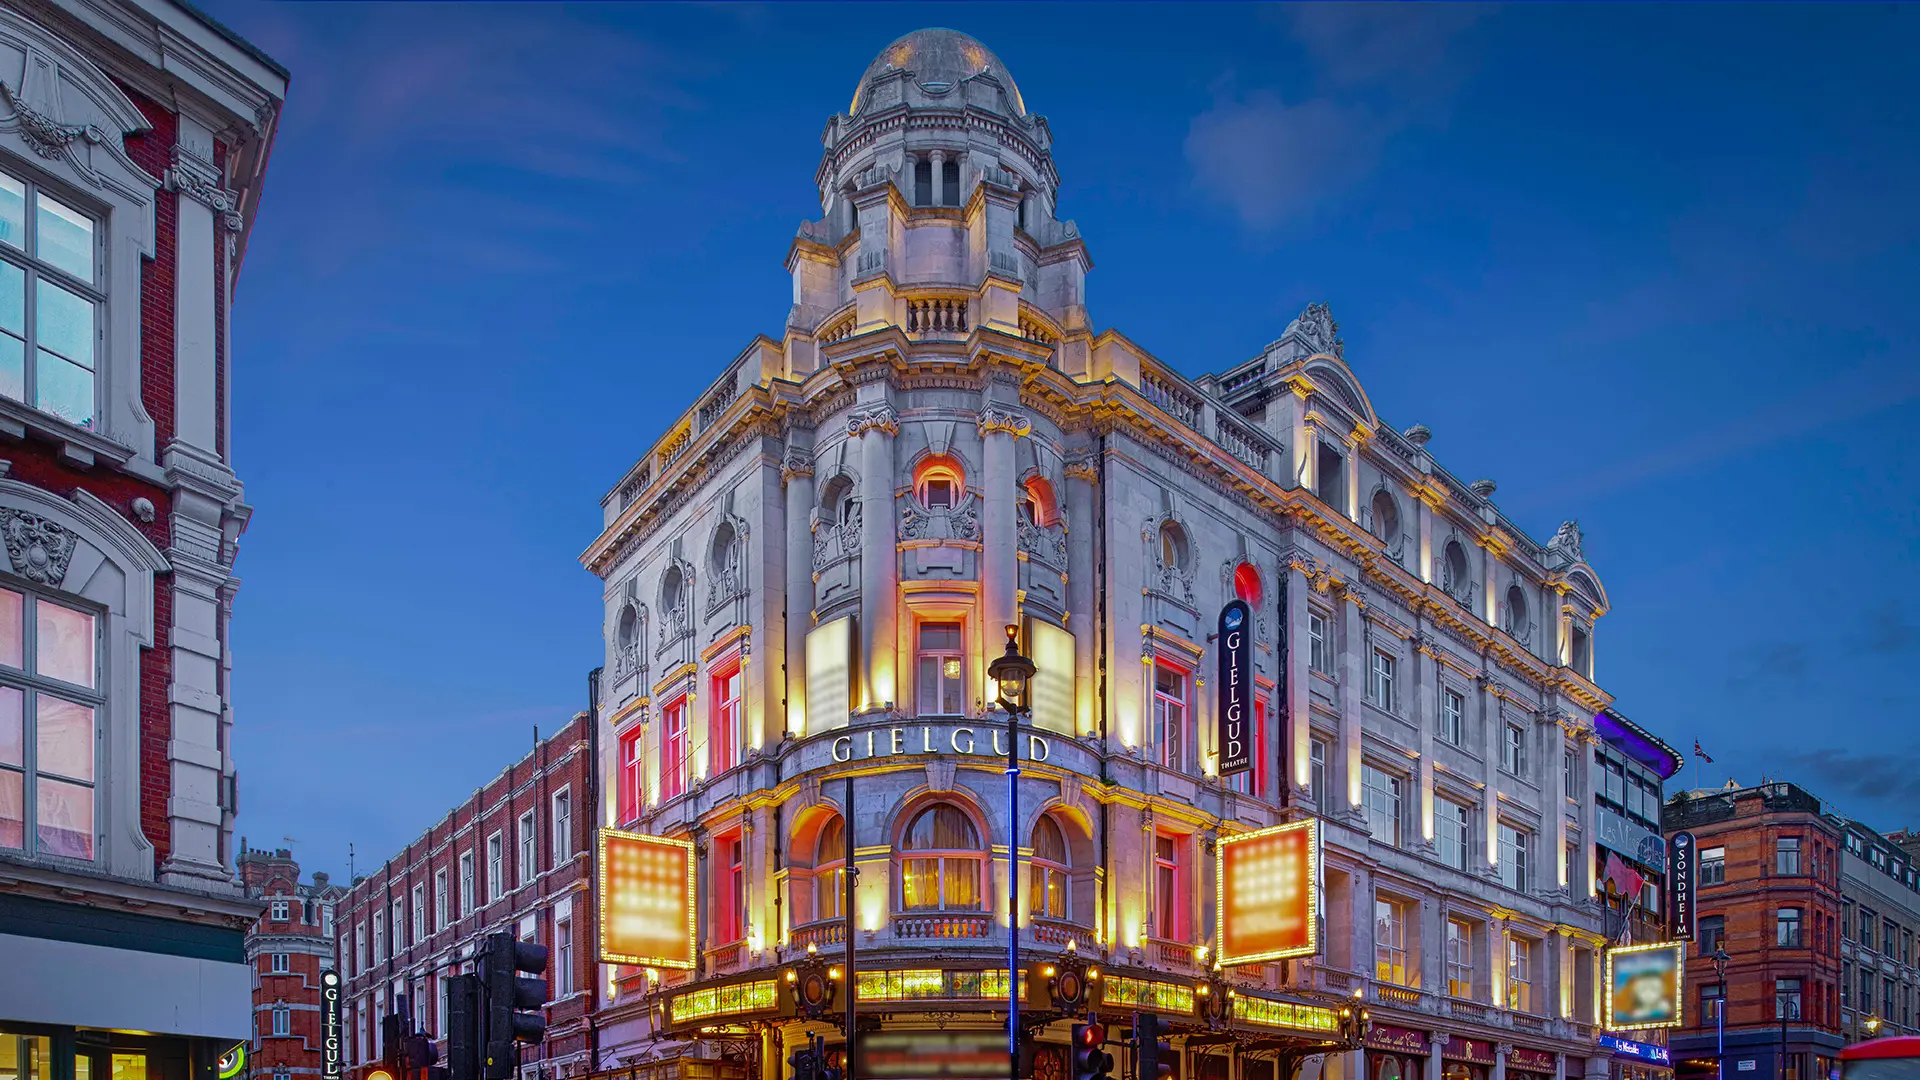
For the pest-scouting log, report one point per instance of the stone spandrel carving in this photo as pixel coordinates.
(39, 549)
(46, 135)
(1048, 543)
(836, 540)
(961, 522)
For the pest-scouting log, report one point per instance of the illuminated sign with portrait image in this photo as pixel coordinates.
(1268, 894)
(646, 900)
(1644, 986)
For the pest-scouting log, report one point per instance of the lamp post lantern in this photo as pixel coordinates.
(1720, 959)
(1011, 674)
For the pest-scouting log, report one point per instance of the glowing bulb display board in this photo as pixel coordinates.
(646, 900)
(1645, 985)
(1268, 902)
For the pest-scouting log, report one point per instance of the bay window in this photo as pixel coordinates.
(49, 302)
(48, 705)
(943, 865)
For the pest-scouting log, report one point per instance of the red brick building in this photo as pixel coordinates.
(518, 856)
(134, 139)
(1769, 893)
(287, 947)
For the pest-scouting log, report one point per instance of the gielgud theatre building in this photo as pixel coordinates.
(809, 573)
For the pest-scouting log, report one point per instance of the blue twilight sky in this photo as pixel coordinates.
(1653, 268)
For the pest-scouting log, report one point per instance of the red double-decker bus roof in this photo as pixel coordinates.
(1894, 1046)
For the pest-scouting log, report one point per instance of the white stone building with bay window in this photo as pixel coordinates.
(808, 573)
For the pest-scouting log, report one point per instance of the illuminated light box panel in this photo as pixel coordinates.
(646, 900)
(1645, 986)
(1268, 894)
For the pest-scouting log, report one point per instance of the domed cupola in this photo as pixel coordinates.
(938, 61)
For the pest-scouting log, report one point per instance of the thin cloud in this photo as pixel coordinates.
(1271, 161)
(1886, 630)
(1885, 774)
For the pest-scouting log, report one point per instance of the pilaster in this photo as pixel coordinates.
(875, 425)
(796, 469)
(1354, 657)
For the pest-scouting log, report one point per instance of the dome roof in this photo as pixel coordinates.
(939, 59)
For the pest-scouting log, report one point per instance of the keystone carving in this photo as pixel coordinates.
(40, 549)
(1007, 420)
(879, 418)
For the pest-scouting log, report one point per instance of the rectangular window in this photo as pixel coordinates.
(419, 912)
(48, 301)
(1170, 714)
(1389, 942)
(1889, 933)
(1167, 898)
(673, 748)
(1513, 858)
(730, 890)
(1866, 990)
(1786, 924)
(1513, 755)
(399, 924)
(1519, 974)
(1566, 774)
(1867, 919)
(942, 669)
(1317, 770)
(379, 936)
(1380, 675)
(631, 781)
(496, 867)
(1786, 856)
(360, 962)
(1459, 958)
(1380, 793)
(563, 957)
(1713, 998)
(529, 858)
(727, 729)
(1319, 650)
(47, 716)
(562, 827)
(282, 963)
(440, 899)
(277, 910)
(1451, 832)
(1713, 929)
(1786, 999)
(466, 882)
(282, 1020)
(1713, 866)
(1331, 477)
(1453, 717)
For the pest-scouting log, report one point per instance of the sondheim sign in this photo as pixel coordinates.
(890, 742)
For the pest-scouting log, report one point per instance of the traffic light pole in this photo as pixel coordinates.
(1013, 892)
(852, 872)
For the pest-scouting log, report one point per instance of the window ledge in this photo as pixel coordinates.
(79, 447)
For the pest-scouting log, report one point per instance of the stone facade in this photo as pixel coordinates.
(515, 856)
(808, 574)
(288, 947)
(134, 137)
(1880, 913)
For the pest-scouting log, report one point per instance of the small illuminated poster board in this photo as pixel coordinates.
(1644, 986)
(646, 900)
(1268, 894)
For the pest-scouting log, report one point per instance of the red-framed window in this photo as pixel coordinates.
(1169, 897)
(1172, 692)
(673, 748)
(632, 783)
(730, 890)
(726, 730)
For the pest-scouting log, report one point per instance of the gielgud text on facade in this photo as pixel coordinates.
(808, 574)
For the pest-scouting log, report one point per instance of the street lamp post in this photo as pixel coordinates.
(1788, 1010)
(1011, 673)
(1720, 959)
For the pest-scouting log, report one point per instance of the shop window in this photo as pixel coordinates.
(941, 667)
(1048, 880)
(48, 704)
(943, 861)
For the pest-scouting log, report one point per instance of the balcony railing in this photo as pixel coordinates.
(1240, 441)
(1177, 402)
(1524, 1022)
(819, 934)
(944, 925)
(1059, 932)
(1399, 996)
(939, 316)
(1466, 1010)
(1176, 954)
(728, 957)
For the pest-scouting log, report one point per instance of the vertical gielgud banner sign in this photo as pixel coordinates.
(1282, 718)
(1235, 713)
(1680, 885)
(331, 1048)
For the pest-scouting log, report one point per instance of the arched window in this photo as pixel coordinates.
(938, 482)
(1246, 584)
(1516, 609)
(1173, 545)
(629, 632)
(836, 499)
(1386, 517)
(943, 861)
(671, 589)
(724, 539)
(830, 870)
(1037, 505)
(1048, 878)
(1455, 568)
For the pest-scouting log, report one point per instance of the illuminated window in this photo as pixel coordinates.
(1037, 506)
(942, 868)
(562, 827)
(1246, 584)
(942, 670)
(1513, 755)
(673, 748)
(1786, 926)
(830, 871)
(1389, 941)
(1319, 652)
(631, 781)
(730, 890)
(1170, 714)
(1513, 858)
(1453, 717)
(1519, 974)
(1048, 877)
(938, 483)
(1380, 794)
(1451, 833)
(1459, 958)
(1169, 899)
(1381, 673)
(728, 729)
(47, 270)
(529, 854)
(48, 658)
(1786, 856)
(1713, 865)
(1713, 998)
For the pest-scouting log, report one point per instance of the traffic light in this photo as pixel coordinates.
(805, 1062)
(509, 996)
(392, 1043)
(1153, 1054)
(1090, 1058)
(463, 1027)
(419, 1053)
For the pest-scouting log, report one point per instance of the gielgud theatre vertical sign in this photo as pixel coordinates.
(1235, 739)
(330, 1046)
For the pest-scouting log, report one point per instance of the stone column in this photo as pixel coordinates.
(999, 529)
(1296, 725)
(201, 197)
(1487, 708)
(1436, 1066)
(1354, 443)
(875, 425)
(938, 189)
(1082, 475)
(1353, 687)
(1500, 1052)
(797, 471)
(1426, 673)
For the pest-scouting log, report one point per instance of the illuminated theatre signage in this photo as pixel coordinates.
(1268, 884)
(646, 900)
(1645, 986)
(901, 741)
(1235, 709)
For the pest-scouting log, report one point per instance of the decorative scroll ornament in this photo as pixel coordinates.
(1007, 420)
(797, 463)
(40, 549)
(880, 418)
(1081, 468)
(48, 137)
(1567, 541)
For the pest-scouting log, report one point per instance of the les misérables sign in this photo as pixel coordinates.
(1235, 713)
